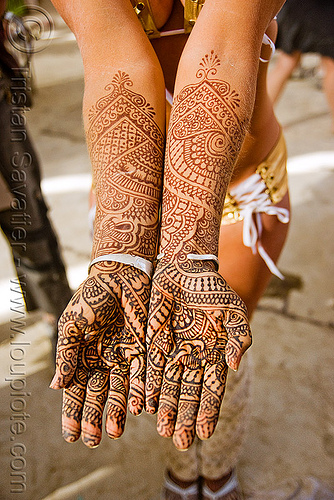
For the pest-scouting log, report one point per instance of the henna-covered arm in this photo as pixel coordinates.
(198, 325)
(101, 343)
(125, 146)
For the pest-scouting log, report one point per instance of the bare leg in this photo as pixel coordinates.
(282, 71)
(328, 83)
(247, 273)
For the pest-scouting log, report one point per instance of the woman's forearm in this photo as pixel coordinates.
(124, 120)
(126, 149)
(214, 98)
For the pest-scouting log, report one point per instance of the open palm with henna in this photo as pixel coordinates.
(198, 327)
(101, 348)
(197, 324)
(101, 352)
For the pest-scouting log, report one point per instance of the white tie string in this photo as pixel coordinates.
(253, 201)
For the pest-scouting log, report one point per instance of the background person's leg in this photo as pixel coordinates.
(281, 72)
(328, 83)
(27, 225)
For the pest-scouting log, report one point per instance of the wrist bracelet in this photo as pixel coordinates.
(197, 256)
(132, 260)
(206, 256)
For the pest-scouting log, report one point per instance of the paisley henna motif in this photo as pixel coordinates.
(204, 138)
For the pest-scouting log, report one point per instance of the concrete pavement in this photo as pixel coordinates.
(289, 451)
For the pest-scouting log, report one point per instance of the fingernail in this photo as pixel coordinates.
(135, 409)
(89, 443)
(152, 411)
(234, 364)
(55, 382)
(151, 406)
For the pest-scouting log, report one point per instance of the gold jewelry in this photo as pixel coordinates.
(145, 16)
(192, 9)
(272, 172)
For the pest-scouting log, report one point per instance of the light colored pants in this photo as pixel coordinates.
(216, 456)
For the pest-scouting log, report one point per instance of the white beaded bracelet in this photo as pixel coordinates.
(132, 260)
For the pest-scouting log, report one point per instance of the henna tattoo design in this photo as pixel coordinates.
(206, 329)
(101, 347)
(126, 149)
(198, 325)
(101, 352)
(204, 138)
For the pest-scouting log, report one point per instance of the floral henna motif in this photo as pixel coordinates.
(126, 148)
(101, 352)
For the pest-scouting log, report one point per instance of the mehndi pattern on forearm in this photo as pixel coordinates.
(197, 325)
(126, 148)
(204, 137)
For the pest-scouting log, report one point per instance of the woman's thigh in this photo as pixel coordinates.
(245, 272)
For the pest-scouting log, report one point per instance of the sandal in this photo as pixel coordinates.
(230, 491)
(172, 491)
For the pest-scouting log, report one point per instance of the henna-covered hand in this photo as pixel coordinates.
(197, 324)
(197, 327)
(101, 347)
(101, 352)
